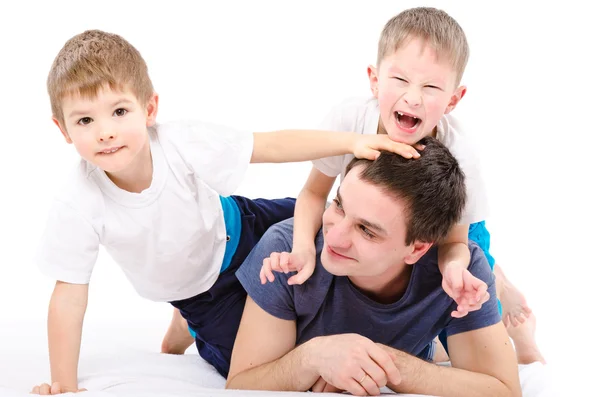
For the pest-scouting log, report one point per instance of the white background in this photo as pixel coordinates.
(532, 102)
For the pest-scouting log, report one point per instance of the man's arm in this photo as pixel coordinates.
(483, 364)
(264, 357)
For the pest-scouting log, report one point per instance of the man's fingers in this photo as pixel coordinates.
(369, 385)
(374, 372)
(385, 362)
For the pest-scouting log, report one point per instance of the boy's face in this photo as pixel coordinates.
(109, 130)
(415, 89)
(364, 231)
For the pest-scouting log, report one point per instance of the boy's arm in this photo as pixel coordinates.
(302, 145)
(454, 258)
(65, 322)
(308, 217)
(483, 364)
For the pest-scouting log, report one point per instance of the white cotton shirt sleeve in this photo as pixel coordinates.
(354, 115)
(453, 135)
(218, 155)
(69, 246)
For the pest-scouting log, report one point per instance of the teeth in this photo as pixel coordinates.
(402, 114)
(111, 151)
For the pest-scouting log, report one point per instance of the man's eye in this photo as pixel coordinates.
(367, 232)
(84, 120)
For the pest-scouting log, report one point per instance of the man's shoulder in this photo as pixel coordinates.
(479, 265)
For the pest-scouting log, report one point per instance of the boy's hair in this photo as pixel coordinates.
(435, 27)
(91, 60)
(431, 186)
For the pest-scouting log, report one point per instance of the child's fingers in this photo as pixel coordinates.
(284, 262)
(267, 268)
(301, 276)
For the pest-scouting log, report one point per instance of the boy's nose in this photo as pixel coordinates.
(413, 98)
(106, 136)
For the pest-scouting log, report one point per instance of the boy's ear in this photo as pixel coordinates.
(373, 80)
(62, 130)
(152, 110)
(419, 249)
(459, 93)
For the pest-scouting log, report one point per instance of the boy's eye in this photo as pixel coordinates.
(432, 86)
(401, 79)
(84, 120)
(120, 112)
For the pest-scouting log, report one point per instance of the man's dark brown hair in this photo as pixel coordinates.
(432, 187)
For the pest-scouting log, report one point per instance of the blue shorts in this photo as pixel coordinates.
(480, 235)
(214, 316)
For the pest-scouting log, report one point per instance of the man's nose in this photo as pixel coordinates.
(338, 235)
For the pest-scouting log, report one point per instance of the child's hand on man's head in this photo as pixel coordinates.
(302, 262)
(469, 292)
(369, 146)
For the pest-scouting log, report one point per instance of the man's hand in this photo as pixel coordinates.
(468, 292)
(323, 387)
(302, 262)
(45, 389)
(353, 363)
(369, 147)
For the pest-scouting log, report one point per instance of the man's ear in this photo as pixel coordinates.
(373, 80)
(62, 130)
(152, 110)
(419, 249)
(459, 94)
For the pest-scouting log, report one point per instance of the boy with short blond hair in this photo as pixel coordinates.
(422, 55)
(158, 198)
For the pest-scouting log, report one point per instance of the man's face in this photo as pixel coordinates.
(364, 231)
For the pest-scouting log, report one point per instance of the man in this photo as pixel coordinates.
(368, 315)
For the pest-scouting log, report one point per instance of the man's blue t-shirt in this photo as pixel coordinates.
(328, 305)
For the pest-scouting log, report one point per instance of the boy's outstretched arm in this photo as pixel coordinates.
(303, 145)
(454, 257)
(65, 322)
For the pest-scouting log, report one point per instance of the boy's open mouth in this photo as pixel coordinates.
(407, 121)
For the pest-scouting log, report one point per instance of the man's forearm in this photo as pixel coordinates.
(300, 145)
(420, 377)
(291, 372)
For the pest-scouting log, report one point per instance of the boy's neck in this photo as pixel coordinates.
(138, 176)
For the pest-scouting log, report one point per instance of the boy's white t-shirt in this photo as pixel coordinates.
(169, 240)
(361, 115)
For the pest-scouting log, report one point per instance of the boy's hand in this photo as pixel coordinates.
(302, 262)
(45, 389)
(468, 291)
(369, 147)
